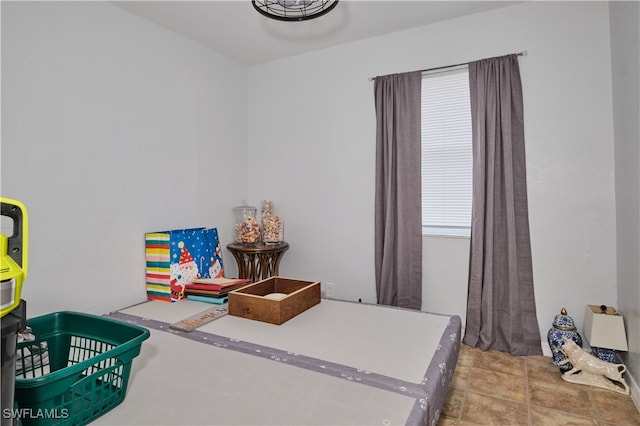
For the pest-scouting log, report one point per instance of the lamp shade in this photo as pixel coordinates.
(604, 328)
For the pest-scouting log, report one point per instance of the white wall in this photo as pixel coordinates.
(625, 59)
(96, 101)
(112, 127)
(445, 274)
(312, 151)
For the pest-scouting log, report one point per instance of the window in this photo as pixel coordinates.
(446, 152)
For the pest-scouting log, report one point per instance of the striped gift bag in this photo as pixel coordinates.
(175, 258)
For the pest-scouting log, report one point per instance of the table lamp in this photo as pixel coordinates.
(604, 330)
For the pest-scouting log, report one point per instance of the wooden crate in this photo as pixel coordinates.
(258, 302)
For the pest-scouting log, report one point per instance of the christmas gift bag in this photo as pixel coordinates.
(176, 258)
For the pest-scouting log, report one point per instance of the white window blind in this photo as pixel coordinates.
(446, 153)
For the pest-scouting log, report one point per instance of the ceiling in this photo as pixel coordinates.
(234, 29)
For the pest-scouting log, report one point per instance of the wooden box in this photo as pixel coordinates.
(274, 300)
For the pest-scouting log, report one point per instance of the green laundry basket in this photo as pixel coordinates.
(76, 370)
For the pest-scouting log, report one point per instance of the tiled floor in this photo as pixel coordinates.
(495, 388)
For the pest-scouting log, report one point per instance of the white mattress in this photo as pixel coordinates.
(176, 381)
(361, 335)
(375, 359)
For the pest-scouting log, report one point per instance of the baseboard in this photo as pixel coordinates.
(635, 390)
(632, 382)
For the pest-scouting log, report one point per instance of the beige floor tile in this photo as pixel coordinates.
(500, 361)
(542, 364)
(487, 410)
(460, 377)
(466, 356)
(501, 385)
(618, 424)
(569, 397)
(492, 387)
(541, 369)
(547, 417)
(452, 407)
(446, 421)
(612, 407)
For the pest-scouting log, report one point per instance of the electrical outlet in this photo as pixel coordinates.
(330, 290)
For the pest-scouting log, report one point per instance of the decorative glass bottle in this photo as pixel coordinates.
(272, 224)
(246, 228)
(563, 327)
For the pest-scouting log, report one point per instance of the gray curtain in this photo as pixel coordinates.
(501, 309)
(398, 218)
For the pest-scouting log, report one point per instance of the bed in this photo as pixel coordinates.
(338, 363)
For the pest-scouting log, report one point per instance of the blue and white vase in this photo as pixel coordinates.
(563, 327)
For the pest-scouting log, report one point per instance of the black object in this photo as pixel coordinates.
(12, 324)
(294, 10)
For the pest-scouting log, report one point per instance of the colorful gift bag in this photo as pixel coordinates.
(176, 258)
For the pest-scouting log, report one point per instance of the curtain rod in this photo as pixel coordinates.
(523, 53)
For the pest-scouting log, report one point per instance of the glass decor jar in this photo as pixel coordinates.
(246, 227)
(272, 224)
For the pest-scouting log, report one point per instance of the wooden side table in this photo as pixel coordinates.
(259, 261)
